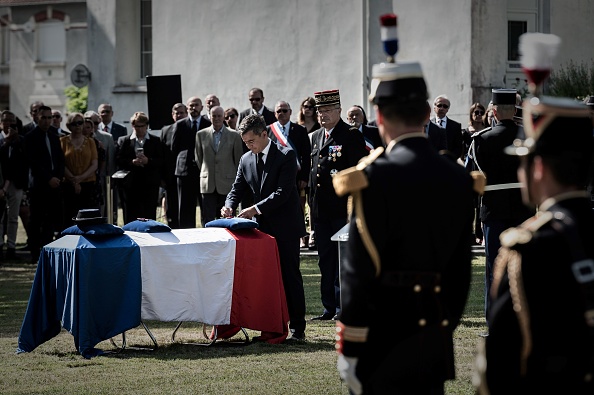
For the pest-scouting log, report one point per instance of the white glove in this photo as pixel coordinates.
(346, 367)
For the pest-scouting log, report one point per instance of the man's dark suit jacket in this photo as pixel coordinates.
(371, 134)
(183, 138)
(13, 162)
(454, 136)
(437, 137)
(276, 197)
(43, 166)
(299, 138)
(266, 113)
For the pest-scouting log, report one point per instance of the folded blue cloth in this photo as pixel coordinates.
(146, 226)
(232, 223)
(93, 230)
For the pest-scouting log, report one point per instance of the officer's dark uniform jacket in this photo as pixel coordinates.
(505, 204)
(547, 335)
(341, 150)
(399, 315)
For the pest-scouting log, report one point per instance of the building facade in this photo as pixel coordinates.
(289, 48)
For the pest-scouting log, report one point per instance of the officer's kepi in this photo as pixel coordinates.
(558, 127)
(398, 83)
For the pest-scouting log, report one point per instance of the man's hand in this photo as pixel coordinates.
(226, 212)
(346, 367)
(248, 213)
(301, 184)
(54, 182)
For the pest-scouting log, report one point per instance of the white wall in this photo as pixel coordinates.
(437, 34)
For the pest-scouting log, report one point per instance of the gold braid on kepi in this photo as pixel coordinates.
(353, 180)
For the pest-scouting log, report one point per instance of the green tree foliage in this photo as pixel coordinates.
(77, 98)
(573, 80)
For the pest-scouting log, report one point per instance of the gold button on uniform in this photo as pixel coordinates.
(417, 288)
(422, 322)
(437, 289)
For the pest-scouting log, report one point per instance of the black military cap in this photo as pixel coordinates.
(504, 96)
(327, 98)
(553, 126)
(398, 83)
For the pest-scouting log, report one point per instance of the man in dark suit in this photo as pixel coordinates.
(169, 181)
(501, 205)
(256, 97)
(183, 193)
(294, 136)
(453, 129)
(437, 136)
(356, 118)
(46, 160)
(34, 112)
(108, 125)
(388, 270)
(268, 172)
(541, 338)
(335, 147)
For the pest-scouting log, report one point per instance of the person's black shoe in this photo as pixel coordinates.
(335, 318)
(296, 337)
(323, 317)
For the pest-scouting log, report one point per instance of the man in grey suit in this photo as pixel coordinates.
(268, 173)
(218, 151)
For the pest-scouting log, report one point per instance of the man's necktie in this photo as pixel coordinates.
(440, 123)
(284, 131)
(260, 165)
(327, 135)
(106, 129)
(194, 126)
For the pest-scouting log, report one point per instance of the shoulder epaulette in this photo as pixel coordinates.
(354, 178)
(479, 181)
(485, 130)
(523, 233)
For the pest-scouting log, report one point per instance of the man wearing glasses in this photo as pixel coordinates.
(34, 112)
(256, 97)
(289, 134)
(453, 129)
(57, 123)
(46, 160)
(335, 147)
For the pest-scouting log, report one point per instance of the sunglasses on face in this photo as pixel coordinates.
(282, 110)
(478, 112)
(77, 123)
(56, 116)
(230, 116)
(442, 106)
(255, 99)
(44, 117)
(308, 107)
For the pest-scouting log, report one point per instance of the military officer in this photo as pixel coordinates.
(501, 205)
(389, 271)
(334, 147)
(542, 314)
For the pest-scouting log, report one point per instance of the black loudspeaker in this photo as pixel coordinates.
(163, 92)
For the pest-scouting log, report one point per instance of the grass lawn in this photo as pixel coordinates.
(175, 368)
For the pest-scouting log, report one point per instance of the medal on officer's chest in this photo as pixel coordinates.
(333, 172)
(334, 151)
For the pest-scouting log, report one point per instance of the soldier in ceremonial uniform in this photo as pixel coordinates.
(542, 313)
(501, 205)
(335, 147)
(419, 283)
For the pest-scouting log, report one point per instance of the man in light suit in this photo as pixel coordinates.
(108, 125)
(256, 97)
(183, 193)
(218, 151)
(453, 129)
(268, 172)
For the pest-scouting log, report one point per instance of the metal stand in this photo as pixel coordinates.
(214, 339)
(124, 345)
